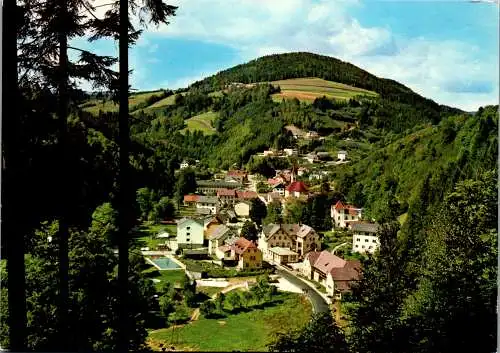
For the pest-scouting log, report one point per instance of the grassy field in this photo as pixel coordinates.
(144, 235)
(201, 122)
(209, 291)
(308, 89)
(109, 106)
(245, 331)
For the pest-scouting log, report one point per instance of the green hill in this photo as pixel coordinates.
(301, 64)
(310, 88)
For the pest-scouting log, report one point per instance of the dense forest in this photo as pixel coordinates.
(426, 172)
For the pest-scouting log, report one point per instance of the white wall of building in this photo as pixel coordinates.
(365, 243)
(190, 232)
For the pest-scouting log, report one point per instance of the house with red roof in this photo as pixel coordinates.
(190, 200)
(247, 254)
(226, 196)
(343, 213)
(334, 273)
(238, 174)
(296, 189)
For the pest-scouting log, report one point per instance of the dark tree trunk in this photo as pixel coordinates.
(123, 195)
(63, 191)
(13, 234)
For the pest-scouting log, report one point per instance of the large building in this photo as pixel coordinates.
(342, 214)
(210, 187)
(299, 238)
(190, 233)
(364, 237)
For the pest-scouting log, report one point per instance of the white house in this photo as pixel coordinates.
(290, 151)
(184, 164)
(364, 237)
(210, 203)
(242, 209)
(268, 153)
(190, 233)
(342, 214)
(342, 155)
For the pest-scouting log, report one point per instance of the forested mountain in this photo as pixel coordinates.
(302, 64)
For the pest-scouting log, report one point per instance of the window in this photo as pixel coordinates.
(246, 265)
(370, 247)
(188, 228)
(252, 258)
(188, 234)
(374, 240)
(362, 247)
(366, 240)
(357, 246)
(188, 240)
(338, 218)
(358, 239)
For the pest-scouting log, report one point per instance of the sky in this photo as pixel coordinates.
(444, 50)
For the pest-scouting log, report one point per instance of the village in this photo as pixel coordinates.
(211, 240)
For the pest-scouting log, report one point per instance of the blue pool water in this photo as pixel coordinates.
(165, 263)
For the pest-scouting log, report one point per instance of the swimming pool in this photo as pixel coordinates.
(165, 263)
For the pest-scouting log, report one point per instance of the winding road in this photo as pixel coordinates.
(318, 303)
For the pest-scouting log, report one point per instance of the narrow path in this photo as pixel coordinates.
(338, 246)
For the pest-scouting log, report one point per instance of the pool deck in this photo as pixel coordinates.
(183, 267)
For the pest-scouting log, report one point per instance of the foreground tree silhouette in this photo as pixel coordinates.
(320, 335)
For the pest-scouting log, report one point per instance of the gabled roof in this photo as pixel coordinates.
(242, 244)
(299, 230)
(343, 206)
(186, 220)
(226, 192)
(326, 261)
(246, 195)
(350, 272)
(297, 186)
(224, 248)
(207, 199)
(312, 256)
(190, 198)
(304, 231)
(220, 232)
(364, 227)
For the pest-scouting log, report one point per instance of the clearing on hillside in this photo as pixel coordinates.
(170, 100)
(94, 105)
(201, 122)
(308, 89)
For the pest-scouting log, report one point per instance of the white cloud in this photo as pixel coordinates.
(443, 70)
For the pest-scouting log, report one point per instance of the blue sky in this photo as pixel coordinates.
(444, 50)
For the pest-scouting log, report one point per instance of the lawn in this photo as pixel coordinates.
(332, 239)
(209, 291)
(201, 122)
(245, 331)
(145, 234)
(308, 89)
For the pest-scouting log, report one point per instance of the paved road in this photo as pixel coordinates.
(318, 303)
